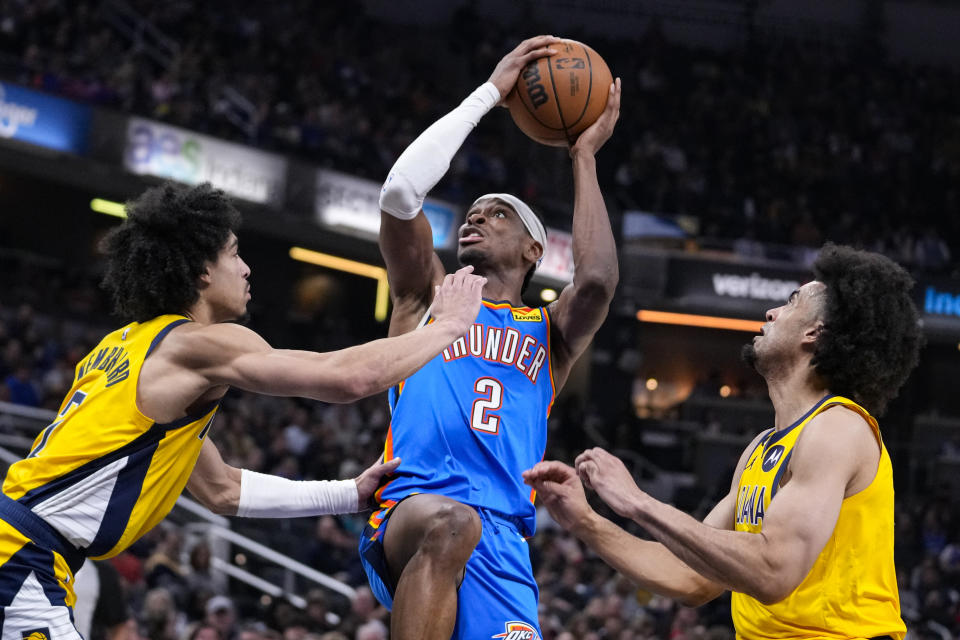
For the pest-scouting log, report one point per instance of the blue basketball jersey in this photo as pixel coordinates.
(475, 417)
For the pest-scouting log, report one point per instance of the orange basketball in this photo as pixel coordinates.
(559, 96)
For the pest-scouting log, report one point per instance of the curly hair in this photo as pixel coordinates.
(156, 256)
(872, 334)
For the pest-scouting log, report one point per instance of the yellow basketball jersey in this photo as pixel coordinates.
(103, 474)
(851, 590)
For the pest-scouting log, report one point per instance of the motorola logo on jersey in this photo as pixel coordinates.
(772, 457)
(518, 631)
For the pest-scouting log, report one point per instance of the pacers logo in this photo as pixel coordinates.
(36, 634)
(519, 631)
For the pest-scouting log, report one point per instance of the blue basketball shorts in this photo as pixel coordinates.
(498, 596)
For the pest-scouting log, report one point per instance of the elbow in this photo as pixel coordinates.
(699, 594)
(218, 503)
(598, 287)
(771, 592)
(357, 385)
(222, 507)
(694, 600)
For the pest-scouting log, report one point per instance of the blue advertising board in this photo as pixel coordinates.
(43, 120)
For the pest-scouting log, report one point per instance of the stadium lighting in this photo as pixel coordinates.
(692, 320)
(109, 207)
(350, 266)
(548, 295)
(652, 384)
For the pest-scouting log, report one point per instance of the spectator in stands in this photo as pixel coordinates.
(222, 617)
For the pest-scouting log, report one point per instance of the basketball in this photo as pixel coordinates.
(559, 96)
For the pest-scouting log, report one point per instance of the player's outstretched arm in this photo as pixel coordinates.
(582, 306)
(228, 354)
(648, 564)
(229, 491)
(406, 241)
(834, 448)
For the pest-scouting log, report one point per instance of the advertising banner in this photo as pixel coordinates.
(43, 120)
(557, 265)
(352, 205)
(729, 288)
(166, 151)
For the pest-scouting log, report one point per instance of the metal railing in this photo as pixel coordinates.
(18, 428)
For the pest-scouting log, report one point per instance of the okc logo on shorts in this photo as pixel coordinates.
(518, 631)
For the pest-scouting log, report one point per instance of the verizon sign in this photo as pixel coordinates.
(753, 286)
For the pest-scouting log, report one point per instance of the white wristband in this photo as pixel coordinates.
(420, 167)
(266, 496)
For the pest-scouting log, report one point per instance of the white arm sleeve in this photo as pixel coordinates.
(427, 159)
(266, 496)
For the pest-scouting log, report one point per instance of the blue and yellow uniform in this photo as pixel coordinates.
(466, 426)
(96, 479)
(851, 590)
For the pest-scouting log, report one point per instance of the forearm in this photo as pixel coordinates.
(376, 366)
(421, 166)
(229, 491)
(648, 564)
(268, 496)
(594, 249)
(735, 560)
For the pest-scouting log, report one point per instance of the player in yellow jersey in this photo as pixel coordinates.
(804, 538)
(133, 430)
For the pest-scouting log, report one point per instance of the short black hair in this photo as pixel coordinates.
(154, 259)
(872, 334)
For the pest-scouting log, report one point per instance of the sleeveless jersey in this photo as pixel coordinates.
(851, 590)
(474, 418)
(103, 474)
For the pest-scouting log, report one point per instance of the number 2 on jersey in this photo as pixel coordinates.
(492, 399)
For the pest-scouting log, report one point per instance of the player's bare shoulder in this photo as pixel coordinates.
(838, 437)
(199, 347)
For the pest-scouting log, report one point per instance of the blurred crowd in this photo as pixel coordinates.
(776, 142)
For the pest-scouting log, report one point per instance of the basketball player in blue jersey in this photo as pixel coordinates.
(447, 549)
(804, 539)
(135, 427)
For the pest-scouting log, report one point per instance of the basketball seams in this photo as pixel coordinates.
(586, 103)
(532, 111)
(556, 100)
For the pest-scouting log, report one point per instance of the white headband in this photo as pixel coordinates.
(529, 219)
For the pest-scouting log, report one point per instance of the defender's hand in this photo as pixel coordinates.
(369, 480)
(594, 136)
(608, 476)
(457, 300)
(505, 75)
(561, 492)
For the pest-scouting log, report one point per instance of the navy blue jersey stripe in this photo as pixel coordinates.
(122, 500)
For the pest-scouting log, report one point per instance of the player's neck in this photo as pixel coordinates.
(201, 313)
(793, 393)
(499, 289)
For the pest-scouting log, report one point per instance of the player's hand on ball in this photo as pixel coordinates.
(369, 480)
(600, 131)
(505, 75)
(560, 491)
(608, 476)
(457, 300)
